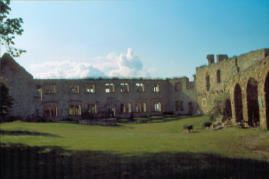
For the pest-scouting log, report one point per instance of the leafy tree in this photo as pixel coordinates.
(6, 101)
(9, 27)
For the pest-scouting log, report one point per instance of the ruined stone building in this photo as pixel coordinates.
(72, 98)
(243, 80)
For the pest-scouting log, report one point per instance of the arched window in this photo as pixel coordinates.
(218, 76)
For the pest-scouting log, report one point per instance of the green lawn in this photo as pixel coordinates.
(137, 139)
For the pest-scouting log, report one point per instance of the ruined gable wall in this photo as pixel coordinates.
(21, 86)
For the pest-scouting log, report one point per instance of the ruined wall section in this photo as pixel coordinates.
(208, 86)
(20, 83)
(182, 91)
(260, 72)
(63, 98)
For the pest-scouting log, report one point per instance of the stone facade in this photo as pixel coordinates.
(233, 77)
(243, 79)
(78, 98)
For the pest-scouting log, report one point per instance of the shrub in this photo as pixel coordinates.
(222, 108)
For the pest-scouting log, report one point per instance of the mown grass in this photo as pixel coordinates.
(132, 150)
(136, 139)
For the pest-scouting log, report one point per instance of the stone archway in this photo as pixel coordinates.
(238, 105)
(252, 103)
(266, 90)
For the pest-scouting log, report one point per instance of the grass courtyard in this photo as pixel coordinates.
(146, 148)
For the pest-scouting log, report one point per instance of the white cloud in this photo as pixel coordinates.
(111, 65)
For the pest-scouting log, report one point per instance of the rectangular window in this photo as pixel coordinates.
(178, 86)
(156, 88)
(38, 94)
(50, 111)
(218, 76)
(188, 84)
(207, 82)
(179, 106)
(140, 87)
(109, 88)
(157, 107)
(74, 89)
(74, 110)
(141, 107)
(90, 89)
(124, 88)
(125, 108)
(49, 89)
(90, 108)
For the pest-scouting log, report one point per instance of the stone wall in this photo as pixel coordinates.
(260, 73)
(235, 70)
(228, 69)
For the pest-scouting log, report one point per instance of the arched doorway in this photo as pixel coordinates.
(266, 90)
(252, 103)
(238, 106)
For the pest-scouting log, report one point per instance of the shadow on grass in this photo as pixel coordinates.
(21, 161)
(5, 132)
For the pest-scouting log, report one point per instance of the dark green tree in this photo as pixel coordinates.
(6, 101)
(9, 28)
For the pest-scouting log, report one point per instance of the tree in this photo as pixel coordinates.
(9, 27)
(6, 101)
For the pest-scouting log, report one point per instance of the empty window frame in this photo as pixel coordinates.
(124, 88)
(74, 110)
(109, 88)
(178, 86)
(74, 89)
(125, 108)
(49, 89)
(140, 107)
(207, 82)
(156, 88)
(179, 105)
(90, 89)
(218, 76)
(90, 108)
(38, 92)
(50, 111)
(188, 84)
(140, 87)
(157, 107)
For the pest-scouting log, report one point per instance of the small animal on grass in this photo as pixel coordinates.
(207, 124)
(188, 128)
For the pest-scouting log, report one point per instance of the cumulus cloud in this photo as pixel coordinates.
(111, 65)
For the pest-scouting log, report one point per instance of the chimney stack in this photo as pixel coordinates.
(221, 58)
(210, 59)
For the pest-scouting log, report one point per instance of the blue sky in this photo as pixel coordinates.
(131, 38)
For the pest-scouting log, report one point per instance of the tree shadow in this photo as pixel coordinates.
(21, 161)
(6, 132)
